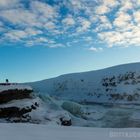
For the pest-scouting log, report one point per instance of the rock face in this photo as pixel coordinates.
(13, 111)
(16, 102)
(65, 122)
(14, 94)
(19, 104)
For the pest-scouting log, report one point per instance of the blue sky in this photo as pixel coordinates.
(45, 38)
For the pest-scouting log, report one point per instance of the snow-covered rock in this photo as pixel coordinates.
(14, 92)
(14, 86)
(16, 102)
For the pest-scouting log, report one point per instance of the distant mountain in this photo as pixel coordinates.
(118, 84)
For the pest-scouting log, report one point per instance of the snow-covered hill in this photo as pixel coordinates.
(119, 84)
(59, 100)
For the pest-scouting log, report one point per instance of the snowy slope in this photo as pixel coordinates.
(44, 132)
(119, 84)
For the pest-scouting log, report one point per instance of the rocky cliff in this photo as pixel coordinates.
(16, 101)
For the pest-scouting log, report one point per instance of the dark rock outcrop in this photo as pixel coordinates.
(9, 112)
(13, 107)
(65, 122)
(14, 94)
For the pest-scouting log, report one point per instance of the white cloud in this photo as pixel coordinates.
(84, 18)
(88, 38)
(77, 5)
(84, 25)
(40, 14)
(102, 9)
(122, 38)
(111, 38)
(106, 6)
(40, 41)
(126, 27)
(32, 31)
(49, 25)
(122, 20)
(137, 2)
(2, 29)
(18, 35)
(111, 3)
(137, 17)
(1, 24)
(104, 23)
(95, 49)
(68, 20)
(20, 17)
(58, 45)
(126, 5)
(8, 3)
(94, 18)
(43, 9)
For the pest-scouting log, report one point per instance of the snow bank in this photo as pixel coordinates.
(23, 103)
(43, 132)
(13, 87)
